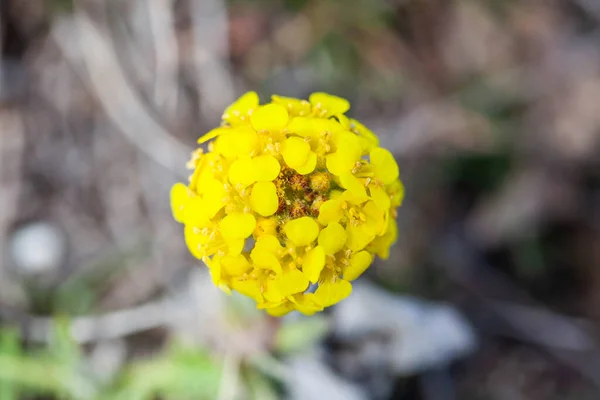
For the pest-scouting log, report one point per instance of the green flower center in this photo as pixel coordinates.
(301, 195)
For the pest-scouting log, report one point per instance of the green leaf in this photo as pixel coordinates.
(63, 349)
(261, 388)
(183, 372)
(54, 370)
(44, 376)
(9, 346)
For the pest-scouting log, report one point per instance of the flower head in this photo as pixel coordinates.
(290, 203)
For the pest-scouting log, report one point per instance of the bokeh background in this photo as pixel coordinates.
(492, 108)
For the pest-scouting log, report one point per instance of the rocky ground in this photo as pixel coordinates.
(492, 109)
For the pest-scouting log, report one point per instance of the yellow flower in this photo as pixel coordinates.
(291, 202)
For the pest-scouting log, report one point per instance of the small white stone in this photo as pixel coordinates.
(37, 248)
(106, 358)
(422, 335)
(309, 378)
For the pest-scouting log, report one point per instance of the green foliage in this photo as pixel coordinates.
(62, 5)
(295, 5)
(182, 372)
(491, 100)
(260, 387)
(56, 369)
(478, 172)
(9, 347)
(61, 369)
(179, 372)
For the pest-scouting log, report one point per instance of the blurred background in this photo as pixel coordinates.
(492, 108)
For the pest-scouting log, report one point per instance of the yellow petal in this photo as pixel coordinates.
(343, 120)
(329, 293)
(381, 245)
(295, 151)
(246, 141)
(280, 310)
(333, 238)
(380, 197)
(271, 117)
(268, 243)
(201, 171)
(235, 265)
(336, 194)
(263, 198)
(348, 145)
(351, 198)
(305, 303)
(365, 145)
(313, 263)
(242, 171)
(384, 165)
(213, 134)
(250, 288)
(358, 237)
(335, 164)
(330, 126)
(241, 141)
(294, 106)
(265, 260)
(196, 212)
(302, 126)
(266, 167)
(353, 184)
(214, 266)
(237, 225)
(180, 196)
(265, 226)
(241, 107)
(291, 282)
(224, 286)
(273, 298)
(375, 218)
(396, 189)
(235, 246)
(313, 127)
(330, 211)
(309, 166)
(272, 294)
(331, 105)
(194, 239)
(209, 186)
(364, 132)
(213, 196)
(359, 262)
(302, 231)
(343, 160)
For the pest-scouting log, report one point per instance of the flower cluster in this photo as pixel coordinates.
(290, 203)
